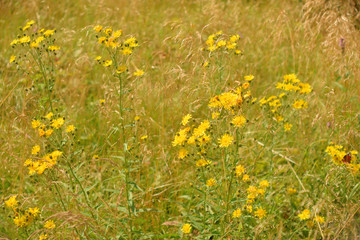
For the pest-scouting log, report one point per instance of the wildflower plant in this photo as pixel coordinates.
(36, 47)
(283, 106)
(217, 46)
(225, 196)
(117, 62)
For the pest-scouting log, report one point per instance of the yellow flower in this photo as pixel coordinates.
(21, 221)
(11, 202)
(245, 178)
(200, 130)
(144, 137)
(108, 63)
(34, 211)
(211, 182)
(24, 39)
(261, 191)
(205, 64)
(300, 104)
(41, 132)
(57, 123)
(234, 38)
(183, 153)
(98, 58)
(225, 140)
(49, 224)
(49, 115)
(191, 140)
(245, 85)
(35, 123)
(186, 119)
(137, 118)
(14, 42)
(264, 184)
(239, 121)
(35, 150)
(70, 128)
(279, 118)
(12, 59)
(117, 34)
(287, 127)
(43, 236)
(202, 163)
(304, 214)
(238, 52)
(49, 33)
(49, 132)
(236, 213)
(291, 191)
(98, 28)
(53, 48)
(215, 115)
(319, 219)
(139, 73)
(121, 69)
(101, 101)
(126, 51)
(186, 228)
(102, 40)
(96, 156)
(239, 170)
(108, 31)
(34, 45)
(30, 23)
(249, 208)
(249, 78)
(260, 212)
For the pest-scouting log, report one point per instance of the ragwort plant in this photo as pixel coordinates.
(227, 199)
(51, 160)
(116, 59)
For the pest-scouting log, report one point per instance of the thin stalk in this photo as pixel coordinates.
(113, 56)
(81, 187)
(40, 65)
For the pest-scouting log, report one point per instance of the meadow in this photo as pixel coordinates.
(204, 119)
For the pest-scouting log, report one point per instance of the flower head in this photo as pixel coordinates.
(304, 214)
(11, 202)
(186, 228)
(260, 212)
(49, 224)
(186, 119)
(225, 140)
(236, 213)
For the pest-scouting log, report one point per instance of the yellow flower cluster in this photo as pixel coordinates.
(47, 130)
(253, 192)
(22, 217)
(292, 84)
(306, 214)
(219, 42)
(277, 103)
(39, 165)
(38, 40)
(340, 156)
(227, 100)
(111, 39)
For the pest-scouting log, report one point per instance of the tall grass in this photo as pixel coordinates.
(88, 197)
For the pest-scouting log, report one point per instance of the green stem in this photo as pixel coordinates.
(127, 188)
(81, 187)
(40, 65)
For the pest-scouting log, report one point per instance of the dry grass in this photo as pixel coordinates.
(278, 38)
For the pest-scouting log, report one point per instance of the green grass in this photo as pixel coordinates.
(277, 38)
